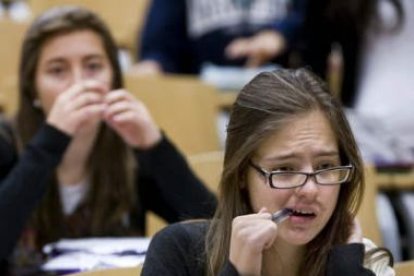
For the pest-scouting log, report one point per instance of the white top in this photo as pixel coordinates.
(71, 196)
(379, 267)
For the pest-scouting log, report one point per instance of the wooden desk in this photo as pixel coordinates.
(128, 271)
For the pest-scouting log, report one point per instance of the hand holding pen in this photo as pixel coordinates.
(251, 235)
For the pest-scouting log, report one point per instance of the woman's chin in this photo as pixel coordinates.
(297, 236)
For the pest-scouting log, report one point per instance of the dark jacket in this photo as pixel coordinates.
(179, 250)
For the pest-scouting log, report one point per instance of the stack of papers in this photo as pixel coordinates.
(95, 253)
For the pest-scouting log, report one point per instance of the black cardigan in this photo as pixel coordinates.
(166, 184)
(179, 250)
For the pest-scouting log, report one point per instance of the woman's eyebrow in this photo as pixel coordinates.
(280, 157)
(287, 156)
(93, 56)
(329, 153)
(54, 60)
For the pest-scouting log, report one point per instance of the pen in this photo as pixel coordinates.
(281, 215)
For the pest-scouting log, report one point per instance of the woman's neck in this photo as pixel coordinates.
(282, 259)
(72, 168)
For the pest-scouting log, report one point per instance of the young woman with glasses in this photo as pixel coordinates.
(289, 151)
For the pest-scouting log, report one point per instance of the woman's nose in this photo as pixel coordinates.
(309, 189)
(78, 75)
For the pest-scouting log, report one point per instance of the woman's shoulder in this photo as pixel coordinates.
(188, 235)
(182, 238)
(177, 248)
(191, 230)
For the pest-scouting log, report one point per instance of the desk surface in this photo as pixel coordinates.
(130, 271)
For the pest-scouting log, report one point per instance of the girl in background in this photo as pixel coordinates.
(93, 161)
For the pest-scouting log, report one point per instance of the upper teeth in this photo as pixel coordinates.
(305, 212)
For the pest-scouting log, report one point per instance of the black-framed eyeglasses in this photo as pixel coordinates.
(294, 179)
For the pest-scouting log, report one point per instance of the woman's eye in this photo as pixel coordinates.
(56, 71)
(327, 165)
(94, 67)
(283, 169)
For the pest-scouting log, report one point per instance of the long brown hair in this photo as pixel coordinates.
(112, 193)
(263, 106)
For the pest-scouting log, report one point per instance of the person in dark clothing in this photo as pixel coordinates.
(92, 161)
(342, 23)
(180, 36)
(289, 147)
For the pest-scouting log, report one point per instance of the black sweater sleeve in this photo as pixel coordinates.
(345, 260)
(168, 186)
(23, 181)
(169, 253)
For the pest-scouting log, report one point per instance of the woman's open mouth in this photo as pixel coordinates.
(302, 215)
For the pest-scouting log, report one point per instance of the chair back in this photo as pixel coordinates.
(404, 268)
(184, 107)
(9, 96)
(367, 213)
(208, 166)
(124, 18)
(12, 34)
